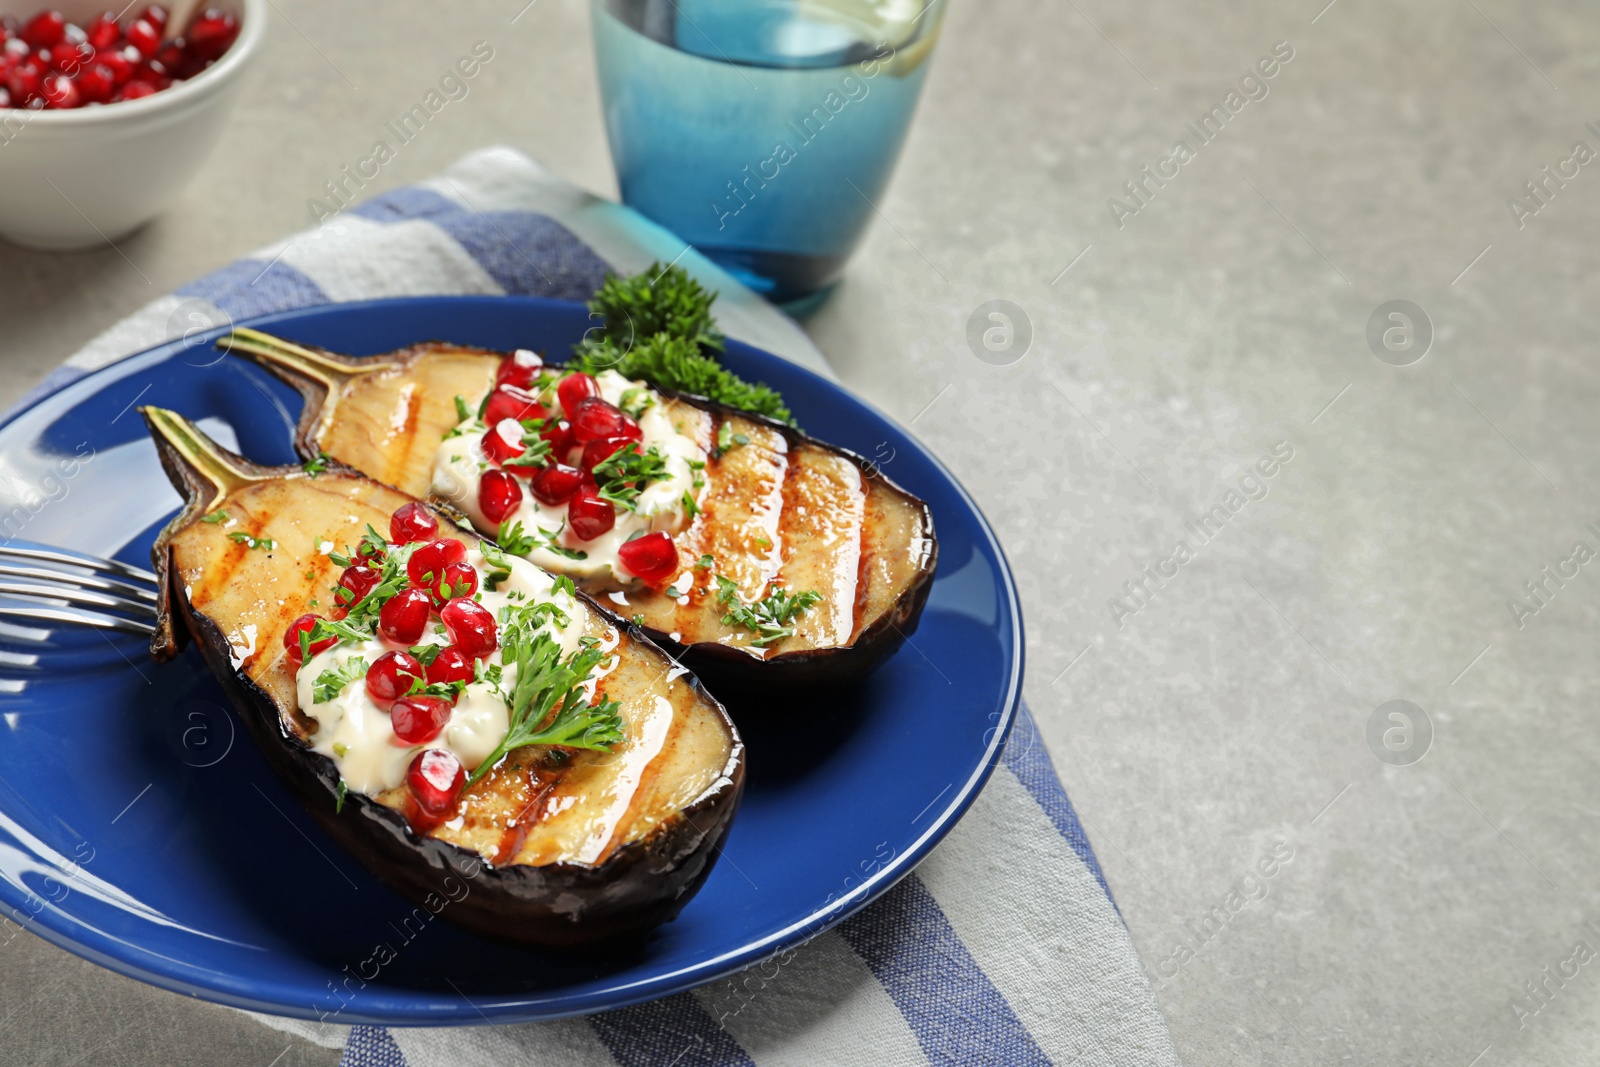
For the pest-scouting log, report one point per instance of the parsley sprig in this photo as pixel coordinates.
(657, 325)
(768, 618)
(548, 705)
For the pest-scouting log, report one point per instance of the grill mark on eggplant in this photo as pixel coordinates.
(543, 779)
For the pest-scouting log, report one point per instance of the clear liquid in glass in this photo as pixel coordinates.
(763, 132)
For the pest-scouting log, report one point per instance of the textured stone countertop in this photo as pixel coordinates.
(1207, 345)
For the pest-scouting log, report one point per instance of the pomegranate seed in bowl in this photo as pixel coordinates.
(50, 63)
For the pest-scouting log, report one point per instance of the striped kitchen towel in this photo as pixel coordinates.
(1004, 947)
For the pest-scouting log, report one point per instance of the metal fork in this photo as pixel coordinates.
(40, 583)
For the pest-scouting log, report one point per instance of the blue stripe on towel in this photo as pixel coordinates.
(675, 1030)
(1029, 760)
(371, 1046)
(957, 1014)
(249, 287)
(527, 254)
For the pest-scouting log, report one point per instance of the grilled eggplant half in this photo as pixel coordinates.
(797, 563)
(559, 844)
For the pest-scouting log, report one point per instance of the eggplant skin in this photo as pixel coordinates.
(556, 905)
(332, 384)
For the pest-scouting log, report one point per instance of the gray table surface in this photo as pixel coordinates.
(1224, 718)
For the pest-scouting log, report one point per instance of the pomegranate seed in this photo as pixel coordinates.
(103, 31)
(45, 29)
(143, 36)
(503, 441)
(291, 638)
(171, 53)
(60, 92)
(96, 83)
(597, 452)
(354, 584)
(519, 369)
(68, 58)
(16, 50)
(498, 495)
(589, 515)
(574, 388)
(511, 402)
(556, 483)
(412, 522)
(122, 61)
(151, 72)
(212, 33)
(134, 91)
(157, 15)
(593, 419)
(470, 626)
(390, 677)
(559, 434)
(451, 665)
(418, 719)
(652, 557)
(436, 777)
(429, 561)
(24, 80)
(458, 579)
(404, 616)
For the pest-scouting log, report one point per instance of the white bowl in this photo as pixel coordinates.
(76, 179)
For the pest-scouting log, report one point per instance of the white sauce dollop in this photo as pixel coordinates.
(460, 462)
(355, 732)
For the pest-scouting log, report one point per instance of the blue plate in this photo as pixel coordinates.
(140, 827)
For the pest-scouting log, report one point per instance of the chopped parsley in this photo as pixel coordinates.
(463, 413)
(535, 449)
(426, 654)
(372, 541)
(220, 515)
(515, 540)
(339, 795)
(266, 544)
(705, 563)
(331, 682)
(727, 440)
(499, 566)
(316, 464)
(768, 618)
(636, 400)
(625, 472)
(690, 508)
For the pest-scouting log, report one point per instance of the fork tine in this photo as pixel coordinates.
(77, 596)
(85, 581)
(75, 617)
(28, 550)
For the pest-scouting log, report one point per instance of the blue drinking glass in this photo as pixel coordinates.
(763, 132)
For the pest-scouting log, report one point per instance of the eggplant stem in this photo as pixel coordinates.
(329, 370)
(219, 469)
